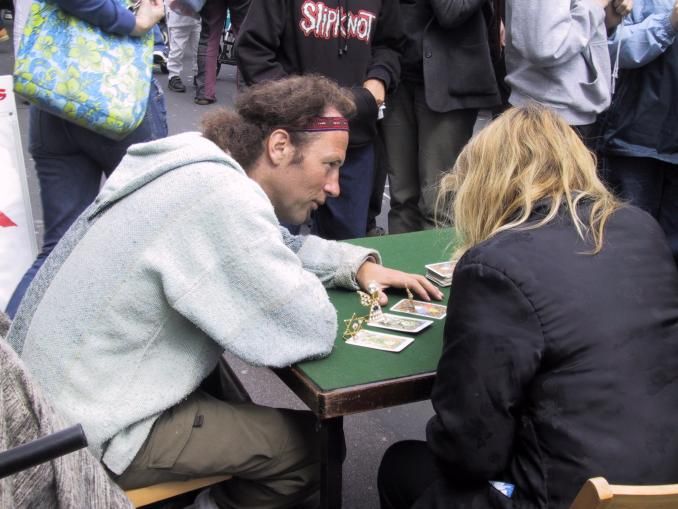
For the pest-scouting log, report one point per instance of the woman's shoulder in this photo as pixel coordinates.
(558, 241)
(629, 217)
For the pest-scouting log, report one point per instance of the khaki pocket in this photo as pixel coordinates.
(171, 432)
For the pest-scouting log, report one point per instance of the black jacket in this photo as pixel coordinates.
(558, 366)
(283, 37)
(448, 48)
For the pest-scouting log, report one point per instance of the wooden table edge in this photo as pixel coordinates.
(356, 398)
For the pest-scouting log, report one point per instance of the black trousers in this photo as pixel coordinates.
(409, 477)
(407, 469)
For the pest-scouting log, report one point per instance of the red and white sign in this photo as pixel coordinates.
(18, 247)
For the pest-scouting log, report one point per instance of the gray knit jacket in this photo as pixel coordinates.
(75, 480)
(180, 257)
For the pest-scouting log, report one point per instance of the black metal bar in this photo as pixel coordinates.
(42, 450)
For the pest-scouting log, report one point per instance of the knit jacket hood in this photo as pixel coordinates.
(146, 162)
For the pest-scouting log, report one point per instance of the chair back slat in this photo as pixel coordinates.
(150, 494)
(598, 494)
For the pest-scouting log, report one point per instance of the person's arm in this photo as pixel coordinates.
(258, 40)
(452, 13)
(387, 47)
(338, 264)
(644, 40)
(552, 32)
(111, 16)
(334, 263)
(493, 348)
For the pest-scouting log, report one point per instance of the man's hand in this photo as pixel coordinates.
(148, 14)
(377, 89)
(615, 11)
(385, 278)
(674, 16)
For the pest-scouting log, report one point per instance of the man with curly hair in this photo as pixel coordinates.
(181, 257)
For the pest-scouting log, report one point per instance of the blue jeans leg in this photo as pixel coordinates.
(70, 162)
(345, 217)
(156, 117)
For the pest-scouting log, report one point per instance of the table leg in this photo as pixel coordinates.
(331, 458)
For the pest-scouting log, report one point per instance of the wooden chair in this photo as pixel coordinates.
(598, 494)
(150, 494)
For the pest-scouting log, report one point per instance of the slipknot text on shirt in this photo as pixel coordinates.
(321, 21)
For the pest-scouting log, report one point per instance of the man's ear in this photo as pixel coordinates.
(279, 147)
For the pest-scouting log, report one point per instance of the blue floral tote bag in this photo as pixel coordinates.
(77, 71)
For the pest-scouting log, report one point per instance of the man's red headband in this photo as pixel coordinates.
(318, 124)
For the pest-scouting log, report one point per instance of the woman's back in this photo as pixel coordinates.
(560, 359)
(561, 365)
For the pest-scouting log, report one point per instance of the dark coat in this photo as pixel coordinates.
(557, 366)
(642, 119)
(457, 66)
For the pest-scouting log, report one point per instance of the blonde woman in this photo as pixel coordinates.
(561, 342)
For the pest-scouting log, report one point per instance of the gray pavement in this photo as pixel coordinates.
(367, 434)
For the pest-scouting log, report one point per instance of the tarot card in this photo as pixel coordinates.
(400, 323)
(439, 281)
(380, 341)
(443, 270)
(421, 308)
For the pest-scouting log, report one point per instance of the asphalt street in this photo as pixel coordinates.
(367, 434)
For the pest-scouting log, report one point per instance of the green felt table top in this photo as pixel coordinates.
(353, 365)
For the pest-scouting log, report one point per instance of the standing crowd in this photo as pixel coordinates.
(561, 337)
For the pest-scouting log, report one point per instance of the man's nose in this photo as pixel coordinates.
(332, 185)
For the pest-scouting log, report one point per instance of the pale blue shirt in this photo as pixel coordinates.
(645, 34)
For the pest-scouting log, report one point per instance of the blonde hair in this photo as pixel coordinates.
(526, 155)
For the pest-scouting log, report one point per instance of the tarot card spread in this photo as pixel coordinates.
(421, 308)
(400, 323)
(380, 341)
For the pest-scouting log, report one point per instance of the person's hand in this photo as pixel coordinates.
(615, 11)
(377, 89)
(674, 16)
(385, 278)
(622, 7)
(147, 15)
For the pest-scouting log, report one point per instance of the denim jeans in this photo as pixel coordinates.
(345, 217)
(70, 162)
